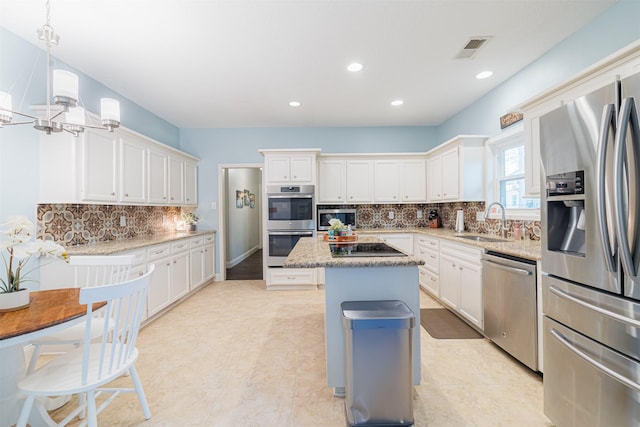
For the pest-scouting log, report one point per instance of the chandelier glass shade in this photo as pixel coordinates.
(65, 95)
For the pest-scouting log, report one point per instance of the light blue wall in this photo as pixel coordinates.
(216, 146)
(617, 27)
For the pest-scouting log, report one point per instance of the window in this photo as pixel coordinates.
(508, 169)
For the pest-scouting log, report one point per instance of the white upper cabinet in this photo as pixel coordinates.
(158, 176)
(332, 181)
(176, 181)
(133, 170)
(99, 166)
(359, 181)
(190, 183)
(290, 167)
(456, 170)
(120, 167)
(413, 180)
(386, 182)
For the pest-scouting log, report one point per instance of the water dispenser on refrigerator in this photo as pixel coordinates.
(566, 213)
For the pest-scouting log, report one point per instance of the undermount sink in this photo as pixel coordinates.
(482, 238)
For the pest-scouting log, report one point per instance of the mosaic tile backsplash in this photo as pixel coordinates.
(76, 224)
(406, 216)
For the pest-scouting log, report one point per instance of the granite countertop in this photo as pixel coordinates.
(529, 249)
(311, 252)
(115, 246)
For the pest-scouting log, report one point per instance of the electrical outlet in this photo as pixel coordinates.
(392, 214)
(123, 221)
(164, 219)
(214, 205)
(479, 216)
(419, 214)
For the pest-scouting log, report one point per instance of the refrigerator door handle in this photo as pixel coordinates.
(601, 367)
(628, 116)
(607, 313)
(608, 122)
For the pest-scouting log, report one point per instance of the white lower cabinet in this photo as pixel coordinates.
(202, 259)
(292, 278)
(402, 241)
(179, 269)
(461, 280)
(159, 295)
(427, 249)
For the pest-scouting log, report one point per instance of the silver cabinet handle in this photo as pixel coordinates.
(606, 370)
(113, 193)
(507, 268)
(610, 314)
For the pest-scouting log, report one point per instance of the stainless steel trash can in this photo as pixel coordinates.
(379, 387)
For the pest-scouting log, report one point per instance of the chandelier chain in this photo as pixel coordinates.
(48, 12)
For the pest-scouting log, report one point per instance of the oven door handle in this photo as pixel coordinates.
(289, 196)
(604, 369)
(290, 233)
(610, 314)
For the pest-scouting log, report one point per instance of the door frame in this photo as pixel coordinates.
(222, 209)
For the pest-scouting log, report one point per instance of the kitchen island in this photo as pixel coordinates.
(358, 279)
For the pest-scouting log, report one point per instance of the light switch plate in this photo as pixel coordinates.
(419, 214)
(123, 221)
(392, 214)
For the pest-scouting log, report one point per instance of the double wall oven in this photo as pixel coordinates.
(291, 216)
(590, 151)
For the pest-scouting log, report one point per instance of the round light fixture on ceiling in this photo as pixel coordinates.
(397, 102)
(295, 104)
(355, 67)
(484, 75)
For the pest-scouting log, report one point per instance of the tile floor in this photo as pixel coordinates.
(235, 354)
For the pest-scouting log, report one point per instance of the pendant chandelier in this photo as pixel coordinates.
(65, 95)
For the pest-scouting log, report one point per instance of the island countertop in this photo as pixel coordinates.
(311, 252)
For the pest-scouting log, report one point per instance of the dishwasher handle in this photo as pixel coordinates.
(500, 266)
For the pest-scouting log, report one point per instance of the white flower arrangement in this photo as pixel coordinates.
(16, 236)
(336, 225)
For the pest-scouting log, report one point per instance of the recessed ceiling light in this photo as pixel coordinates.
(397, 102)
(295, 104)
(355, 67)
(484, 75)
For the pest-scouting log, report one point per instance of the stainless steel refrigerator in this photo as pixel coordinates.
(590, 150)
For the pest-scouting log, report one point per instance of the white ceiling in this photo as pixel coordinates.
(238, 63)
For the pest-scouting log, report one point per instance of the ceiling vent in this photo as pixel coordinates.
(472, 47)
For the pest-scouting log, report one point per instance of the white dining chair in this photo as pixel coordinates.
(88, 271)
(86, 369)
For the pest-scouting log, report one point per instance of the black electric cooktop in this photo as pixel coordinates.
(352, 250)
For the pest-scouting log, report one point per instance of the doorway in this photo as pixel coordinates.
(241, 211)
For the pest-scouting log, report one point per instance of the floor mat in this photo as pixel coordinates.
(443, 324)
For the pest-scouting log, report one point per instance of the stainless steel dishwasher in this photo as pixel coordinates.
(510, 308)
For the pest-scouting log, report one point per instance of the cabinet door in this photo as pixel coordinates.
(450, 175)
(196, 266)
(413, 181)
(435, 178)
(160, 288)
(179, 275)
(190, 183)
(471, 293)
(332, 182)
(359, 181)
(278, 167)
(385, 186)
(532, 156)
(133, 171)
(158, 176)
(301, 168)
(449, 280)
(209, 261)
(176, 181)
(402, 241)
(100, 171)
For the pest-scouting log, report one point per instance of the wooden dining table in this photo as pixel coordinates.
(48, 311)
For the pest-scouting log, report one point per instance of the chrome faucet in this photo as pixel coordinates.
(504, 220)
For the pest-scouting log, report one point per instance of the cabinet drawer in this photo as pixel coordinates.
(466, 253)
(432, 261)
(429, 281)
(428, 242)
(293, 276)
(194, 242)
(158, 251)
(141, 256)
(179, 246)
(209, 238)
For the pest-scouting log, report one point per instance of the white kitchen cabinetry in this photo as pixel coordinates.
(428, 249)
(159, 294)
(332, 181)
(120, 167)
(133, 170)
(455, 169)
(176, 181)
(386, 181)
(399, 181)
(359, 181)
(292, 279)
(461, 280)
(99, 166)
(402, 241)
(202, 260)
(179, 269)
(290, 166)
(190, 183)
